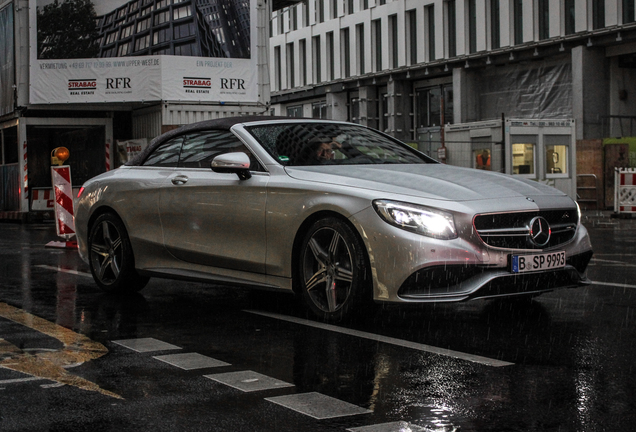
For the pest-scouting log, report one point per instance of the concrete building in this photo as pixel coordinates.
(519, 82)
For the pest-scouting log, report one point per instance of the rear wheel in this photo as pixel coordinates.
(332, 270)
(111, 257)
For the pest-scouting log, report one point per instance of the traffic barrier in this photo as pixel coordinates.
(25, 172)
(107, 155)
(65, 225)
(625, 190)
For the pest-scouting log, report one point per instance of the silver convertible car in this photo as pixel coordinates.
(337, 213)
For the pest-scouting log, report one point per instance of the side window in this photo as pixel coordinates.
(166, 155)
(199, 149)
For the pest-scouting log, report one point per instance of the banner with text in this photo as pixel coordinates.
(142, 51)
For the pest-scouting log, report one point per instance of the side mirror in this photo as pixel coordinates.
(237, 163)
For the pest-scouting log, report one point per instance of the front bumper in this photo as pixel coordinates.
(411, 268)
(457, 282)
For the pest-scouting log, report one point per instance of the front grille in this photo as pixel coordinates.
(512, 230)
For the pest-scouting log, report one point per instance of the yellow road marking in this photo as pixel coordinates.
(50, 365)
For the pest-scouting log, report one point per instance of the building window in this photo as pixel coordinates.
(481, 157)
(598, 14)
(143, 25)
(319, 110)
(281, 22)
(186, 50)
(361, 49)
(9, 146)
(569, 13)
(334, 9)
(628, 11)
(127, 31)
(182, 12)
(291, 77)
(345, 53)
(161, 36)
(295, 111)
(162, 17)
(393, 40)
(183, 30)
(331, 57)
(146, 11)
(523, 149)
(302, 53)
(112, 37)
(349, 7)
(428, 106)
(306, 13)
(517, 13)
(161, 3)
(472, 26)
(429, 12)
(142, 43)
(123, 49)
(556, 154)
(376, 37)
(544, 19)
(277, 69)
(411, 36)
(451, 26)
(495, 32)
(316, 58)
(294, 18)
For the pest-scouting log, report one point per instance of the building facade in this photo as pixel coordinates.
(105, 84)
(518, 81)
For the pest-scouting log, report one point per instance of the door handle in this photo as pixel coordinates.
(179, 180)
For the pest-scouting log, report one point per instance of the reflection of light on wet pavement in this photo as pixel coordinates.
(50, 364)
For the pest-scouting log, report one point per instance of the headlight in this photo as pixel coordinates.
(422, 220)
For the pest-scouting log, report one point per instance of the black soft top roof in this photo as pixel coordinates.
(224, 123)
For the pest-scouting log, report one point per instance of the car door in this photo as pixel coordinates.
(210, 218)
(138, 198)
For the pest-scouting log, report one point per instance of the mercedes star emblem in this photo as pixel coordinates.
(540, 231)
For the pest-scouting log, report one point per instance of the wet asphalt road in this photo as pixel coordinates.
(73, 359)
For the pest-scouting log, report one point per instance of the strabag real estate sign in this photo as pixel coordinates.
(107, 68)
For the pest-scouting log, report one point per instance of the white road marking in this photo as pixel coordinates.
(389, 340)
(614, 284)
(62, 270)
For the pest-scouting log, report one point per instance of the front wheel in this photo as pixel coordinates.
(111, 257)
(333, 273)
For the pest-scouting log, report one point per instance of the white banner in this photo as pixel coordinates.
(130, 148)
(111, 74)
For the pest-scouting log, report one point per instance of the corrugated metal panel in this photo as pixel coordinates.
(147, 123)
(187, 114)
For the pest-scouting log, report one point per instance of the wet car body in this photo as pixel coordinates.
(335, 233)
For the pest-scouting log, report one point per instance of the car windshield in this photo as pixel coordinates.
(313, 143)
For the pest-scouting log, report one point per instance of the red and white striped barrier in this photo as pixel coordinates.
(107, 155)
(625, 190)
(65, 225)
(25, 172)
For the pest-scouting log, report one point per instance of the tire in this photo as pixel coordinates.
(111, 257)
(332, 270)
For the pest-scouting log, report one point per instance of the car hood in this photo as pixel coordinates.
(434, 181)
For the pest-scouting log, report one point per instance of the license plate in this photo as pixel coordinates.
(538, 262)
